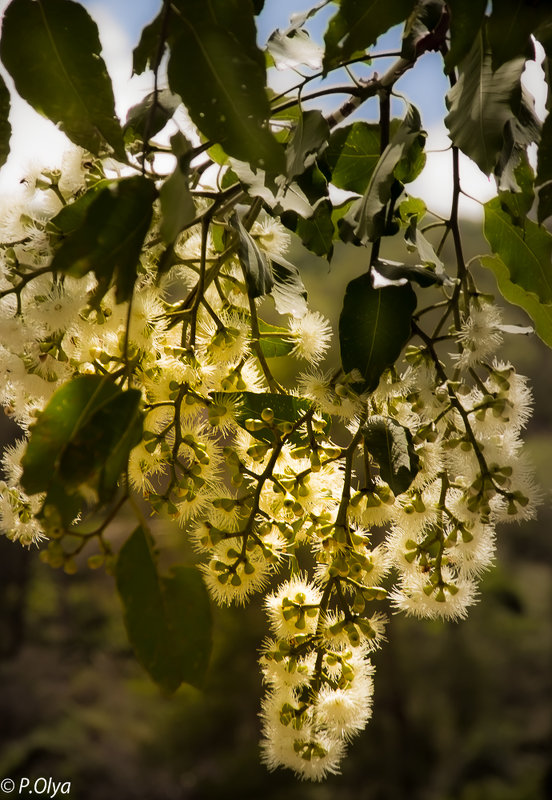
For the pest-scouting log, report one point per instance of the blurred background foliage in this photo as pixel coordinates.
(461, 711)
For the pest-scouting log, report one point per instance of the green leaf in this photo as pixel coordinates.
(5, 127)
(400, 162)
(420, 24)
(226, 98)
(254, 261)
(544, 171)
(317, 232)
(358, 24)
(87, 422)
(524, 247)
(151, 114)
(167, 617)
(52, 50)
(274, 341)
(519, 132)
(374, 326)
(510, 26)
(72, 215)
(308, 138)
(415, 240)
(482, 103)
(391, 446)
(110, 238)
(278, 194)
(352, 155)
(393, 272)
(177, 203)
(514, 293)
(146, 53)
(466, 18)
(286, 408)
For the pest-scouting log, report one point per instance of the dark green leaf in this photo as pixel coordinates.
(359, 23)
(400, 162)
(415, 240)
(466, 18)
(422, 21)
(151, 114)
(391, 446)
(396, 273)
(289, 293)
(481, 104)
(167, 617)
(519, 132)
(88, 422)
(352, 154)
(72, 216)
(293, 48)
(52, 50)
(374, 326)
(317, 232)
(524, 247)
(286, 408)
(308, 138)
(226, 98)
(146, 52)
(5, 127)
(544, 171)
(510, 27)
(254, 261)
(110, 238)
(514, 293)
(177, 204)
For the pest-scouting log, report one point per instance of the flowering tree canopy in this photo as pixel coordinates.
(160, 355)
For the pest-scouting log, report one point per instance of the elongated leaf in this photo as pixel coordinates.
(167, 617)
(5, 127)
(391, 446)
(177, 204)
(374, 326)
(544, 171)
(317, 232)
(415, 240)
(52, 50)
(358, 23)
(110, 239)
(401, 161)
(83, 437)
(278, 193)
(519, 132)
(308, 139)
(151, 114)
(466, 19)
(387, 273)
(481, 104)
(540, 313)
(525, 248)
(73, 215)
(226, 98)
(254, 261)
(274, 341)
(147, 51)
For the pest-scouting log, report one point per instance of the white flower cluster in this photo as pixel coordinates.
(250, 470)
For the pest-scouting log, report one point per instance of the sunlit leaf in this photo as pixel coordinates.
(285, 408)
(51, 48)
(308, 138)
(288, 292)
(374, 326)
(167, 617)
(524, 247)
(294, 47)
(352, 154)
(540, 313)
(255, 262)
(177, 204)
